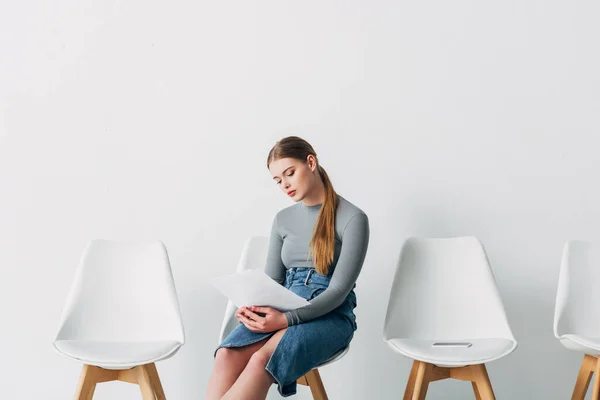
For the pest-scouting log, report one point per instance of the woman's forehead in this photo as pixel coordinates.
(277, 167)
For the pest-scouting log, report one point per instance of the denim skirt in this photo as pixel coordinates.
(306, 345)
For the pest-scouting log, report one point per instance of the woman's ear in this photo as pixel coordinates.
(312, 162)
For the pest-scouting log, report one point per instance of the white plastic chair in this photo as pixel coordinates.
(446, 314)
(121, 316)
(576, 322)
(254, 255)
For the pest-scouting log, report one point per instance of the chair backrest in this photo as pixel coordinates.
(444, 289)
(123, 291)
(578, 296)
(254, 256)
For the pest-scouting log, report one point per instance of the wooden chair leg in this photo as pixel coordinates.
(410, 385)
(596, 390)
(90, 376)
(476, 391)
(146, 376)
(145, 383)
(582, 384)
(421, 381)
(482, 382)
(316, 385)
(422, 374)
(155, 381)
(87, 384)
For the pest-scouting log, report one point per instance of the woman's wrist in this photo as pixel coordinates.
(284, 321)
(288, 318)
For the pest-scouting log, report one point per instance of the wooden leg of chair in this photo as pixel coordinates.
(410, 385)
(316, 385)
(585, 376)
(302, 381)
(476, 391)
(482, 382)
(145, 383)
(155, 381)
(87, 383)
(596, 390)
(146, 376)
(421, 381)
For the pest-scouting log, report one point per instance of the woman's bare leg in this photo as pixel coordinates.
(229, 364)
(254, 381)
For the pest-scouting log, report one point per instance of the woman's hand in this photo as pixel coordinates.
(272, 320)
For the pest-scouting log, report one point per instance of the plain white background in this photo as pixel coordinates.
(142, 120)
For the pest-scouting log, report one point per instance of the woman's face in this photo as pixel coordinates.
(294, 177)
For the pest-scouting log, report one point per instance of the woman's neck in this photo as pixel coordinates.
(317, 196)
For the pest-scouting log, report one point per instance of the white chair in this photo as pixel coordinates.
(446, 314)
(576, 322)
(121, 316)
(254, 256)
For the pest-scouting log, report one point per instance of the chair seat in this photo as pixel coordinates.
(117, 355)
(480, 352)
(335, 357)
(585, 344)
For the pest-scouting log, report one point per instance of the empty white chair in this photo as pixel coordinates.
(445, 313)
(254, 255)
(576, 322)
(121, 316)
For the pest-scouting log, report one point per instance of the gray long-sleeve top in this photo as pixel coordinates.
(289, 247)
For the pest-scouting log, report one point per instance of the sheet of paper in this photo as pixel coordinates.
(255, 288)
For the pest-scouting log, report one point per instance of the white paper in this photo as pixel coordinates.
(255, 288)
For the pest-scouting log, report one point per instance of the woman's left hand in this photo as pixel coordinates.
(272, 320)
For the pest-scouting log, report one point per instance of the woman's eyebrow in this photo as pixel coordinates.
(283, 171)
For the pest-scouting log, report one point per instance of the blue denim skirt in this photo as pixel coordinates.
(306, 345)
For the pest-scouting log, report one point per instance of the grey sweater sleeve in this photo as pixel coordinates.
(355, 240)
(275, 267)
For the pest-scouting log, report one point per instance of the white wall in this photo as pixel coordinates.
(130, 119)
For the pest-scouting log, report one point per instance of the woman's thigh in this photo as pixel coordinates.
(321, 337)
(271, 344)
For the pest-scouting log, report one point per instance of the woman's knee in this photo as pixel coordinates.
(259, 360)
(228, 356)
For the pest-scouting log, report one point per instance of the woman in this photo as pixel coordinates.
(316, 249)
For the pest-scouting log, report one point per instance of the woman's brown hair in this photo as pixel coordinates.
(322, 244)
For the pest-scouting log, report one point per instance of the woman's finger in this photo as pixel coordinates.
(252, 325)
(245, 315)
(264, 310)
(242, 316)
(252, 315)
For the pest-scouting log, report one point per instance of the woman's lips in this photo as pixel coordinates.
(292, 193)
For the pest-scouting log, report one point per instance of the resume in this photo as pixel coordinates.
(255, 288)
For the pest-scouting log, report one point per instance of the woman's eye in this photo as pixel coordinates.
(290, 174)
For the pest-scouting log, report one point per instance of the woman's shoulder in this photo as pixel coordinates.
(346, 211)
(288, 212)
